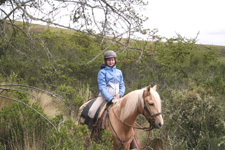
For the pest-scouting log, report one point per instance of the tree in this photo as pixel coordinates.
(106, 19)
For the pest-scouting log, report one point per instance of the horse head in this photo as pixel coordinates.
(152, 107)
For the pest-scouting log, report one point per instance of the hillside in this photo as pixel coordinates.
(190, 80)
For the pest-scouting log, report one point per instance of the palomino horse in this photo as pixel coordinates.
(121, 116)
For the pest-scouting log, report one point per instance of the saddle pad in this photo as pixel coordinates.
(84, 113)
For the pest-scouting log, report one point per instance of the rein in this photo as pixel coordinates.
(132, 126)
(151, 121)
(122, 141)
(145, 142)
(140, 127)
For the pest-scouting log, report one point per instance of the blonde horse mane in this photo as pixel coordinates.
(129, 103)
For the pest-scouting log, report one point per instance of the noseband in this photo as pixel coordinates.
(151, 119)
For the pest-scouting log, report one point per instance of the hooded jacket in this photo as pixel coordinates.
(110, 82)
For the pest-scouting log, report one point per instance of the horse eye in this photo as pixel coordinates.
(151, 104)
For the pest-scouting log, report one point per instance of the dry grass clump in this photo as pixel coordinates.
(50, 106)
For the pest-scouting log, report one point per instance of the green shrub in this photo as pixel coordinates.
(21, 127)
(194, 120)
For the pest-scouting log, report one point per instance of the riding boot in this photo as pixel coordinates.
(91, 122)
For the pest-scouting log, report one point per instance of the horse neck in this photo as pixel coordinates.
(131, 106)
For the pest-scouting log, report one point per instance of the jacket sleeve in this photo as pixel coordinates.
(122, 86)
(102, 86)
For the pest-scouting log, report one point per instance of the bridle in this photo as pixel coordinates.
(151, 121)
(151, 118)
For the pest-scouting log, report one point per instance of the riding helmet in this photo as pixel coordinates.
(110, 54)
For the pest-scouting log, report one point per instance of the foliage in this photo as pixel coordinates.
(195, 119)
(105, 142)
(118, 19)
(190, 81)
(21, 127)
(73, 101)
(69, 136)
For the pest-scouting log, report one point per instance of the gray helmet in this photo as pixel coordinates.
(110, 54)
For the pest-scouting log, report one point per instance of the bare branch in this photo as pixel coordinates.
(30, 108)
(98, 55)
(100, 18)
(37, 89)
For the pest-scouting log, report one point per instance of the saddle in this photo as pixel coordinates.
(100, 122)
(99, 119)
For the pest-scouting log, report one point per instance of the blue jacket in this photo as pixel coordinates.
(110, 82)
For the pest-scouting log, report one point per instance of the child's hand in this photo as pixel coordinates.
(117, 96)
(115, 100)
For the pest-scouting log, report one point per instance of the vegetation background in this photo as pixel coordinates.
(190, 79)
(47, 73)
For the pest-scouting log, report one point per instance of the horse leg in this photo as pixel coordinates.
(117, 145)
(133, 144)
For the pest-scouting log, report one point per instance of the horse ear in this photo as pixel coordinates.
(147, 91)
(148, 88)
(154, 87)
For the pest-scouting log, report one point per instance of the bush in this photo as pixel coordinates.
(194, 120)
(21, 127)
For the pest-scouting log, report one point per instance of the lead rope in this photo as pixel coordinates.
(146, 140)
(122, 141)
(150, 128)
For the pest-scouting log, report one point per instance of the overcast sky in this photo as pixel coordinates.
(188, 17)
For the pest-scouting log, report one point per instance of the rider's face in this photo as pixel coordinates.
(111, 62)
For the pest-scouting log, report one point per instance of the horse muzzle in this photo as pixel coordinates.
(158, 125)
(156, 121)
(154, 124)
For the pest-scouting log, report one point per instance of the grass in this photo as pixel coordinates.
(50, 106)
